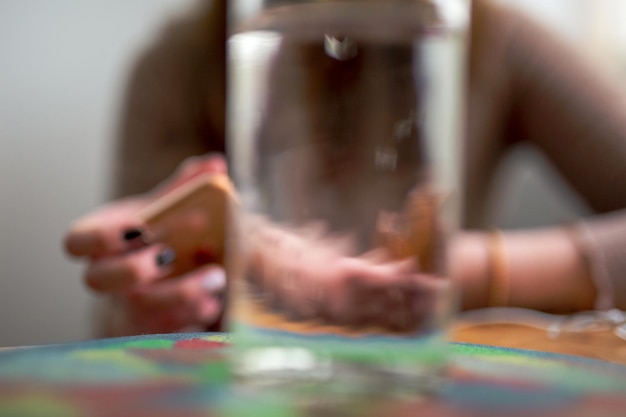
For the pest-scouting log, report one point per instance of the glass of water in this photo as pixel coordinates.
(345, 124)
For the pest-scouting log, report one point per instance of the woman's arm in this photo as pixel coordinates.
(578, 119)
(559, 102)
(542, 269)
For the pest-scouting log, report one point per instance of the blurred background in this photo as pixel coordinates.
(63, 67)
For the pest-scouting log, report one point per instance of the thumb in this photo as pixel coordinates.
(193, 167)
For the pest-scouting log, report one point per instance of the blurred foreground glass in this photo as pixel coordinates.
(345, 121)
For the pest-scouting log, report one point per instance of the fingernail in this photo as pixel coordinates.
(166, 257)
(214, 280)
(132, 234)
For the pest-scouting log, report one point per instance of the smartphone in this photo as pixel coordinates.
(192, 220)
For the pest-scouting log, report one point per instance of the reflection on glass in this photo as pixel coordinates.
(344, 125)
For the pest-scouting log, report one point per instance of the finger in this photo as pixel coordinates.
(401, 305)
(193, 167)
(138, 268)
(109, 230)
(357, 289)
(191, 300)
(182, 291)
(176, 320)
(377, 256)
(213, 163)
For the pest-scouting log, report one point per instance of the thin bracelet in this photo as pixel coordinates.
(499, 276)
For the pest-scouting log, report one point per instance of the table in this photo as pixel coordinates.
(186, 374)
(604, 345)
(527, 329)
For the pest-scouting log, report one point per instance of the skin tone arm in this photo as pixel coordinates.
(554, 99)
(545, 270)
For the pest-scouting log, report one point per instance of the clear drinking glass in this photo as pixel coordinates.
(345, 122)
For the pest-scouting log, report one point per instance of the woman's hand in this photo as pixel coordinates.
(124, 262)
(312, 275)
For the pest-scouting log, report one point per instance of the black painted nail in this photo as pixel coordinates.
(132, 234)
(166, 257)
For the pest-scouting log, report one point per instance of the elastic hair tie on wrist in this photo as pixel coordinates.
(499, 274)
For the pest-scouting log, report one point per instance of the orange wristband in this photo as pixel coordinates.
(499, 276)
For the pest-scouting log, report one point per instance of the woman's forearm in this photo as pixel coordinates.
(544, 270)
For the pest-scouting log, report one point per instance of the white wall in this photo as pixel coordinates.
(62, 67)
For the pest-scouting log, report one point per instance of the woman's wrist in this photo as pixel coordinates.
(469, 266)
(545, 270)
(548, 272)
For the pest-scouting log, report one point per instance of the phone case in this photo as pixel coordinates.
(192, 220)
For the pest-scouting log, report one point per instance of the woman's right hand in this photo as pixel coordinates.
(309, 274)
(124, 263)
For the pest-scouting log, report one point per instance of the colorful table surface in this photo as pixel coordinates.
(187, 374)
